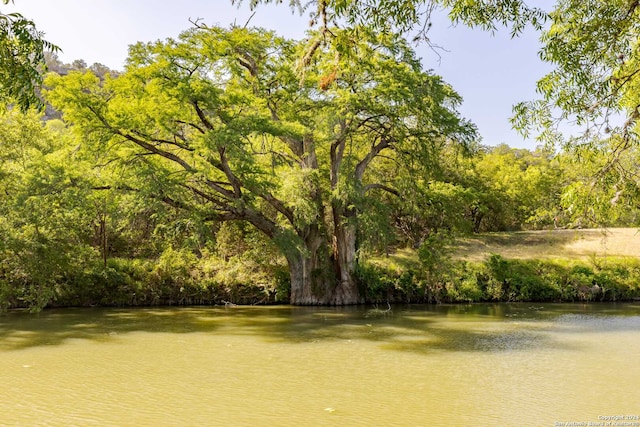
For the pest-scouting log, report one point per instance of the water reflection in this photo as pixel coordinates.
(486, 364)
(474, 327)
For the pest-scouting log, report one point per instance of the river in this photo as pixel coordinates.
(446, 365)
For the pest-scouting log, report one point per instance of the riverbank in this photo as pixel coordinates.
(499, 279)
(541, 266)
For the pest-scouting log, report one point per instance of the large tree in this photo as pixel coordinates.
(220, 122)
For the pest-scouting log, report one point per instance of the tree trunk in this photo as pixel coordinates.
(344, 258)
(104, 248)
(317, 281)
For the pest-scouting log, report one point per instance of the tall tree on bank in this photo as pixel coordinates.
(219, 122)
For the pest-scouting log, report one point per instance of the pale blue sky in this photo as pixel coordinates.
(491, 72)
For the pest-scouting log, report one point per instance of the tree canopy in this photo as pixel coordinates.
(414, 15)
(218, 122)
(590, 99)
(592, 45)
(594, 48)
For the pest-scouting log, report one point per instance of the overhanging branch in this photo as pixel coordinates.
(375, 150)
(381, 187)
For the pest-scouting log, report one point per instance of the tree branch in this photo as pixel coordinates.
(248, 62)
(203, 118)
(337, 153)
(193, 125)
(233, 179)
(160, 197)
(163, 141)
(279, 206)
(143, 144)
(381, 187)
(375, 150)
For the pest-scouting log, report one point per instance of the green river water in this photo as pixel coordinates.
(464, 365)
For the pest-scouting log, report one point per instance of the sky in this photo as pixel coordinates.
(492, 72)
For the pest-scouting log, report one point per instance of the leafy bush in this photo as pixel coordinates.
(501, 279)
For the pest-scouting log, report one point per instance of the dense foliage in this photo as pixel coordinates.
(500, 279)
(235, 165)
(22, 54)
(75, 230)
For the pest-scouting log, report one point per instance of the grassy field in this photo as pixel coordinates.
(583, 244)
(568, 244)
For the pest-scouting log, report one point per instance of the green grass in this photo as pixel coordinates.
(398, 261)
